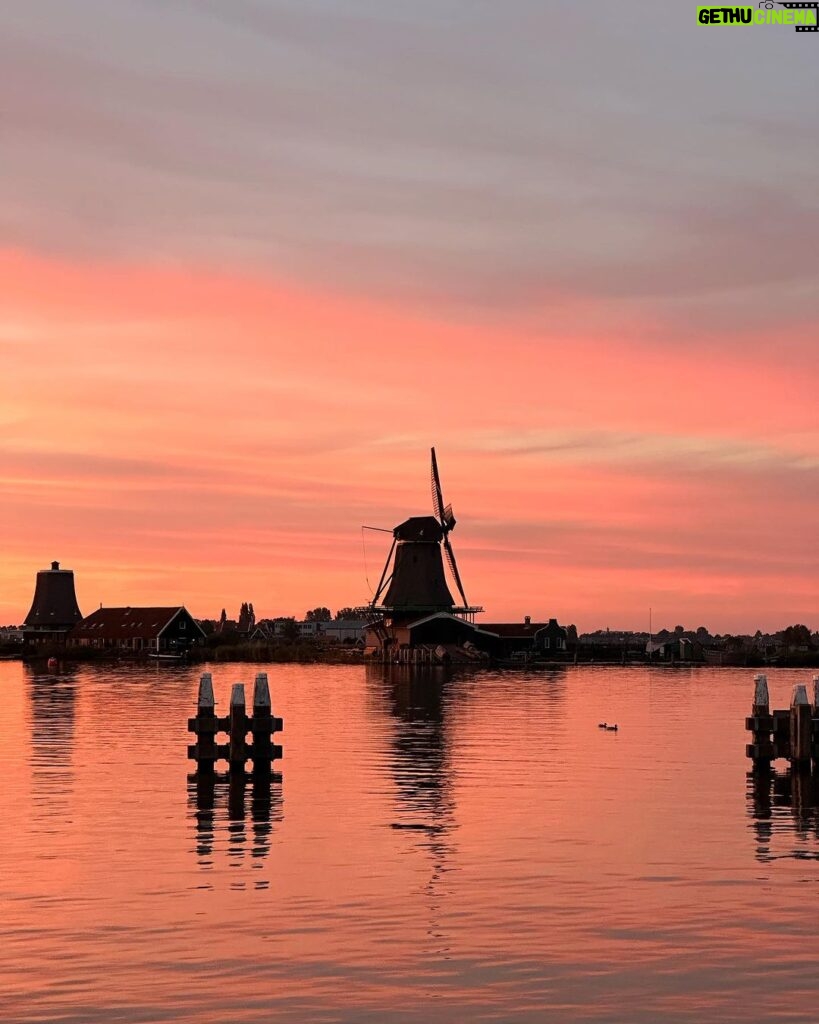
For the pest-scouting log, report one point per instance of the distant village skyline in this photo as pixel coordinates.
(243, 606)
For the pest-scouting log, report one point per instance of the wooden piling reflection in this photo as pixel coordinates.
(783, 804)
(240, 807)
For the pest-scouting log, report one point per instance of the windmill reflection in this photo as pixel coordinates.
(784, 811)
(52, 700)
(218, 806)
(418, 700)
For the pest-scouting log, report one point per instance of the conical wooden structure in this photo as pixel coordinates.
(54, 610)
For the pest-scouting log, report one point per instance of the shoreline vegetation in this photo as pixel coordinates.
(302, 653)
(306, 653)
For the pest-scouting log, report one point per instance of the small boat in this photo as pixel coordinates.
(167, 657)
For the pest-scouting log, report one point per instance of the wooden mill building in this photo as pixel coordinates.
(54, 610)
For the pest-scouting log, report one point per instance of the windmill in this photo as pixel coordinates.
(413, 582)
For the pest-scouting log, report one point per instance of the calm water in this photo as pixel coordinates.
(435, 850)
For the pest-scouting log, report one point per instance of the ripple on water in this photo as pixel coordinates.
(433, 849)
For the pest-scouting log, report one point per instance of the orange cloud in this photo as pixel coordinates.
(178, 435)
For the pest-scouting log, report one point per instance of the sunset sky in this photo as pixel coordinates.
(257, 256)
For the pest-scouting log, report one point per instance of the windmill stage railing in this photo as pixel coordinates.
(237, 724)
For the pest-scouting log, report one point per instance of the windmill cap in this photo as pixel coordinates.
(421, 529)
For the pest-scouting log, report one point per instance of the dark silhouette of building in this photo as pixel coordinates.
(418, 583)
(54, 610)
(548, 640)
(154, 630)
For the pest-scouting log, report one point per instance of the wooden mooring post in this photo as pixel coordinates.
(205, 730)
(237, 724)
(761, 725)
(792, 733)
(801, 727)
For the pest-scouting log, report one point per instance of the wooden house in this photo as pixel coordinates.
(151, 630)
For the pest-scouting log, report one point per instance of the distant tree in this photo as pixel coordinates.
(207, 625)
(359, 612)
(318, 615)
(797, 636)
(679, 630)
(290, 630)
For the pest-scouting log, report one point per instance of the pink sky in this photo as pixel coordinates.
(255, 259)
(182, 436)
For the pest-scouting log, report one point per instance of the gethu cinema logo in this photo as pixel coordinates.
(803, 16)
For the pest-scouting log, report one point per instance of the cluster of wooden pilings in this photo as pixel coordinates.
(420, 654)
(792, 733)
(261, 725)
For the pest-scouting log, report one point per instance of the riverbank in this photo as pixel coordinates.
(310, 654)
(306, 654)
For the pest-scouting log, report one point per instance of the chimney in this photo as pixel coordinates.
(55, 566)
(527, 620)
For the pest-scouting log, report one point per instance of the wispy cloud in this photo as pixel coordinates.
(455, 153)
(682, 452)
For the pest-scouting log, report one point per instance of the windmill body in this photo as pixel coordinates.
(413, 588)
(418, 583)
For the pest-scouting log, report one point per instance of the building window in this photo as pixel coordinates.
(183, 625)
(546, 643)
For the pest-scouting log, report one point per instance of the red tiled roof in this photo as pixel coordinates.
(125, 623)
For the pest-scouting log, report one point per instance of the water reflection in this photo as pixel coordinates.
(218, 808)
(784, 811)
(419, 700)
(52, 700)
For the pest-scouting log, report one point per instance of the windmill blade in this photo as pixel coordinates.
(449, 519)
(437, 497)
(450, 557)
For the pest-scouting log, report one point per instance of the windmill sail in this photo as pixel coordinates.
(446, 517)
(437, 496)
(453, 568)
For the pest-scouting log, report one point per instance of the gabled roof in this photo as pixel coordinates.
(447, 615)
(514, 628)
(520, 629)
(128, 623)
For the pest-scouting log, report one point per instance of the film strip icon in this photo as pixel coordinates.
(813, 5)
